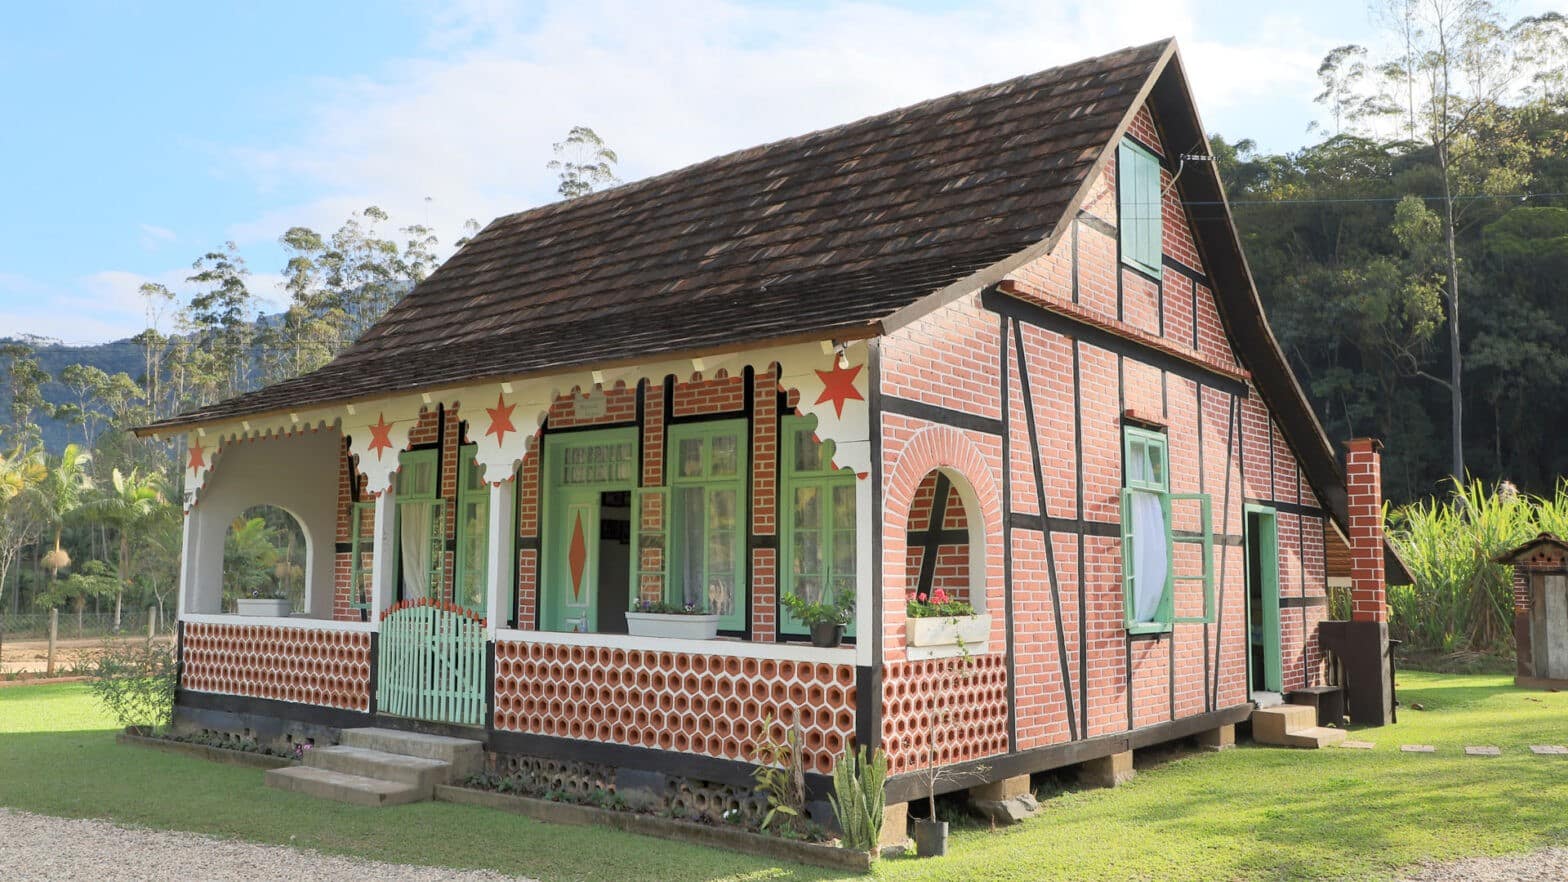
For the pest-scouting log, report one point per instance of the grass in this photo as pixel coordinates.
(1249, 813)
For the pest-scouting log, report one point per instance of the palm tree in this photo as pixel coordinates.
(126, 505)
(62, 489)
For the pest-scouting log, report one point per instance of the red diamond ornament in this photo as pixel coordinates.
(577, 556)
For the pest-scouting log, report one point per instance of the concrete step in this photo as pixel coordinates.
(414, 771)
(1270, 725)
(1314, 737)
(352, 789)
(466, 757)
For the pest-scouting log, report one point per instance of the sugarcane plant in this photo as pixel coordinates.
(858, 797)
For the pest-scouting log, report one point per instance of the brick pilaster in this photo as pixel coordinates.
(1364, 483)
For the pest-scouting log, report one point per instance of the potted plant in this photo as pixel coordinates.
(656, 618)
(938, 619)
(825, 619)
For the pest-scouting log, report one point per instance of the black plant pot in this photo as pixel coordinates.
(827, 634)
(931, 838)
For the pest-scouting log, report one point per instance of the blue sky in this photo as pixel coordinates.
(135, 139)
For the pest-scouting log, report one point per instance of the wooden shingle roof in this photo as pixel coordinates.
(824, 234)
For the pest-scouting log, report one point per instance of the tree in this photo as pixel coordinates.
(128, 502)
(218, 320)
(62, 491)
(584, 162)
(25, 400)
(21, 519)
(94, 579)
(1457, 66)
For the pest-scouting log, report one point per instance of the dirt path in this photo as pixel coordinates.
(36, 847)
(1547, 865)
(33, 655)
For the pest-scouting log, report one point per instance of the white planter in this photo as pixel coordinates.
(704, 627)
(948, 630)
(268, 606)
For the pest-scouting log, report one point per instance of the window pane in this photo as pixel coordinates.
(689, 458)
(1157, 464)
(726, 461)
(721, 553)
(808, 509)
(809, 588)
(807, 557)
(808, 453)
(1148, 556)
(721, 515)
(844, 507)
(843, 552)
(417, 477)
(689, 515)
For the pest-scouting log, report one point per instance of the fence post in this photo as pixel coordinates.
(54, 632)
(152, 623)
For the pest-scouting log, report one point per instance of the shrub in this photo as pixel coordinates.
(858, 798)
(1460, 599)
(135, 683)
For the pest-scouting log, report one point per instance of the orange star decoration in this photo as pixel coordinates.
(197, 462)
(838, 385)
(500, 419)
(381, 435)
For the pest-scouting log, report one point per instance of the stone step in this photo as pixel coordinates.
(352, 789)
(1270, 725)
(465, 756)
(1314, 737)
(414, 771)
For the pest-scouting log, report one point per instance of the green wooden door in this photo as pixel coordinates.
(572, 568)
(1266, 668)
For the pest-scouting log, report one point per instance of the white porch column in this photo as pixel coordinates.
(384, 542)
(189, 544)
(500, 573)
(867, 523)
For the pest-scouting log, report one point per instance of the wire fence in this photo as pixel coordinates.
(92, 625)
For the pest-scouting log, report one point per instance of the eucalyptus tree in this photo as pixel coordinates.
(584, 163)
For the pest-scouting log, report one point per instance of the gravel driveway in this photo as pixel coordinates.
(35, 847)
(1548, 865)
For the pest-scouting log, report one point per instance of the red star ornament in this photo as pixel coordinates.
(500, 419)
(838, 385)
(381, 435)
(197, 461)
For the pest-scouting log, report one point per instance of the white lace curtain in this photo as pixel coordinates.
(414, 538)
(1149, 560)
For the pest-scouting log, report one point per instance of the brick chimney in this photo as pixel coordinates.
(1364, 485)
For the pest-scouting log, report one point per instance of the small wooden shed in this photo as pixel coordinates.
(1541, 611)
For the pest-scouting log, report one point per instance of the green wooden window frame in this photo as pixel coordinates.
(709, 461)
(362, 537)
(1156, 482)
(470, 588)
(1140, 206)
(1267, 618)
(807, 465)
(419, 483)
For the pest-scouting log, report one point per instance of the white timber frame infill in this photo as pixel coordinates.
(297, 623)
(829, 378)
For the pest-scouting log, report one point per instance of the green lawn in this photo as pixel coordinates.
(1249, 813)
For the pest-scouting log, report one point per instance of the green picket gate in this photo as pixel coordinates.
(431, 664)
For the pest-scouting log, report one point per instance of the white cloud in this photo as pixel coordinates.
(153, 236)
(471, 121)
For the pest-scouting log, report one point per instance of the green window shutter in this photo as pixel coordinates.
(473, 534)
(362, 528)
(1129, 598)
(1139, 207)
(1205, 541)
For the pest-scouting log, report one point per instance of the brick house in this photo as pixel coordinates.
(1003, 343)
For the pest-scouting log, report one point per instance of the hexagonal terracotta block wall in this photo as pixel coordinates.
(916, 695)
(326, 668)
(690, 703)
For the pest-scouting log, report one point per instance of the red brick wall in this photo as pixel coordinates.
(952, 559)
(1222, 445)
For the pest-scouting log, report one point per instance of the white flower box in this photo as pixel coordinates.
(267, 606)
(700, 627)
(948, 630)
